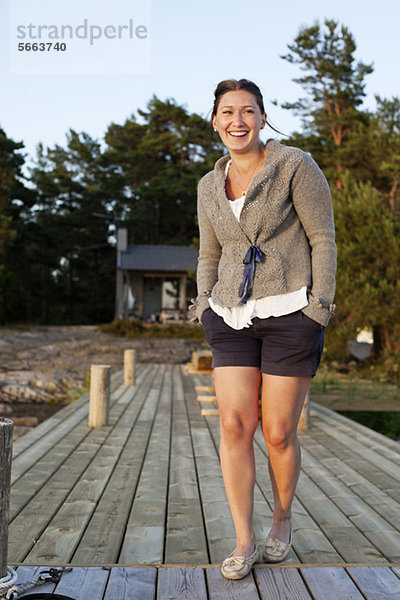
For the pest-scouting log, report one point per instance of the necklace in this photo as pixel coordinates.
(244, 189)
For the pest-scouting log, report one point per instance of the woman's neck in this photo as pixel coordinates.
(244, 162)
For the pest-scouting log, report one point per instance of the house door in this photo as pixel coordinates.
(152, 291)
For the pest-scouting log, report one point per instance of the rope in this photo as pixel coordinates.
(10, 591)
(8, 581)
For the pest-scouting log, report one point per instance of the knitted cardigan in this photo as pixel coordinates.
(288, 214)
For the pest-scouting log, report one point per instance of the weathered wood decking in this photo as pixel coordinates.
(147, 490)
(191, 583)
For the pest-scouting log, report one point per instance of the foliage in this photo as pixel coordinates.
(335, 87)
(160, 159)
(368, 284)
(137, 329)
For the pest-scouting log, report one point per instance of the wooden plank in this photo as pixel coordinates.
(330, 583)
(83, 583)
(367, 437)
(376, 583)
(281, 584)
(220, 588)
(396, 571)
(129, 583)
(43, 428)
(371, 472)
(352, 545)
(25, 460)
(27, 527)
(383, 535)
(43, 443)
(367, 431)
(218, 522)
(143, 541)
(206, 398)
(26, 574)
(205, 388)
(309, 542)
(59, 540)
(103, 537)
(38, 474)
(185, 540)
(372, 456)
(377, 499)
(210, 412)
(181, 583)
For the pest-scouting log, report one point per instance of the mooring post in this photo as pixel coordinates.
(100, 378)
(6, 442)
(129, 367)
(305, 413)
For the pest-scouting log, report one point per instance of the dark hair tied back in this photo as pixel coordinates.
(233, 85)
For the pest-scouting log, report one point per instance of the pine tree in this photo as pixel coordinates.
(335, 87)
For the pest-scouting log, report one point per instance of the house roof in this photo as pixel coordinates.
(147, 257)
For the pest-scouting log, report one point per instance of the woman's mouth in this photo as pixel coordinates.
(238, 134)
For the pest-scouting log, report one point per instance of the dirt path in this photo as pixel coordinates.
(43, 367)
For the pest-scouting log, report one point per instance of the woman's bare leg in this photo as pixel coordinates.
(282, 402)
(237, 391)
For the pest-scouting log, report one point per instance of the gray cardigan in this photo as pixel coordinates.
(288, 215)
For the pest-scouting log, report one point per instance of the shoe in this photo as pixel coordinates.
(236, 567)
(275, 550)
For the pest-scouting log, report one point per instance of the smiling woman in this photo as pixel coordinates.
(266, 281)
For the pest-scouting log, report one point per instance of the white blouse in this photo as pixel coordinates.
(240, 316)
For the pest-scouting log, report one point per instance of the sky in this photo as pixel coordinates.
(189, 47)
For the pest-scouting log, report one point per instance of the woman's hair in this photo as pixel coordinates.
(233, 85)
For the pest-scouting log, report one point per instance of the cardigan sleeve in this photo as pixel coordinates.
(208, 261)
(313, 203)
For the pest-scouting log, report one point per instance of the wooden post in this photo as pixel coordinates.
(304, 421)
(6, 441)
(129, 367)
(100, 377)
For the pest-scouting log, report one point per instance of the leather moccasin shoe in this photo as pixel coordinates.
(236, 567)
(275, 550)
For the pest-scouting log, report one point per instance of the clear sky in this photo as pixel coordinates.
(194, 44)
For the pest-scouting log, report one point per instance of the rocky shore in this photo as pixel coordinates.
(42, 368)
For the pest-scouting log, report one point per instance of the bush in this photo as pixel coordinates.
(136, 328)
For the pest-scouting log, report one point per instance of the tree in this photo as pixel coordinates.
(78, 260)
(334, 83)
(368, 282)
(16, 200)
(384, 150)
(160, 155)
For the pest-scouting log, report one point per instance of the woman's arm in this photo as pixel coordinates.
(313, 203)
(208, 261)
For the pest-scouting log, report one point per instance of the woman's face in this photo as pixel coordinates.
(238, 121)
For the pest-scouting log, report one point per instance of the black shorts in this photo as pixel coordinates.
(289, 345)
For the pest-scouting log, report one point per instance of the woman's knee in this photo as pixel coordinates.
(278, 437)
(237, 426)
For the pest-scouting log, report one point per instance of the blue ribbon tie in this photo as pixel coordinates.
(253, 255)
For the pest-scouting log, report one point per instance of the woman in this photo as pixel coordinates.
(266, 282)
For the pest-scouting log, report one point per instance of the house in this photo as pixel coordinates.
(152, 280)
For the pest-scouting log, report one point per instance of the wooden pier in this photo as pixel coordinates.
(141, 502)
